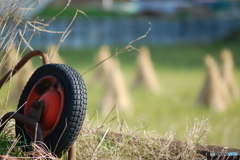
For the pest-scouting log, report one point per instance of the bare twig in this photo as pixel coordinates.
(126, 48)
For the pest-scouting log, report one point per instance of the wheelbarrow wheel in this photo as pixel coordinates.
(63, 92)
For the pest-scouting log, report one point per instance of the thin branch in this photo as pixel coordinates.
(126, 48)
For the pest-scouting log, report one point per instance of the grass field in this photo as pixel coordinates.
(181, 74)
(180, 70)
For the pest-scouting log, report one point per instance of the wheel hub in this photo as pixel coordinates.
(49, 92)
(52, 101)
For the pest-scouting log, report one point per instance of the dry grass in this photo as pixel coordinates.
(11, 147)
(104, 142)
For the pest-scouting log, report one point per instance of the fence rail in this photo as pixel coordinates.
(121, 31)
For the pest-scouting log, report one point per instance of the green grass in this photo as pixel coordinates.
(180, 71)
(8, 142)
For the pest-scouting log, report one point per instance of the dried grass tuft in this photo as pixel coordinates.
(97, 142)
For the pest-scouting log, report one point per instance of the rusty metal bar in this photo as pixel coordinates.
(72, 152)
(25, 120)
(21, 64)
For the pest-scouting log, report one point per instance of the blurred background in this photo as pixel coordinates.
(182, 33)
(172, 22)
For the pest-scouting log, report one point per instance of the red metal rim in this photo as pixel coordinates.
(51, 91)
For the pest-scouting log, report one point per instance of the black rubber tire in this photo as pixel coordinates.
(74, 110)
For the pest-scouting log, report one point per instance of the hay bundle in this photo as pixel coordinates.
(105, 67)
(214, 92)
(146, 75)
(9, 60)
(53, 55)
(115, 90)
(23, 75)
(228, 73)
(20, 79)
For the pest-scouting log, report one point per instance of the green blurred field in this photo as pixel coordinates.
(181, 74)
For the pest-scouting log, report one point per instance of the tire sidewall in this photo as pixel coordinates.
(61, 131)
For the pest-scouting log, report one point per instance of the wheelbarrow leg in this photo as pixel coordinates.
(72, 152)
